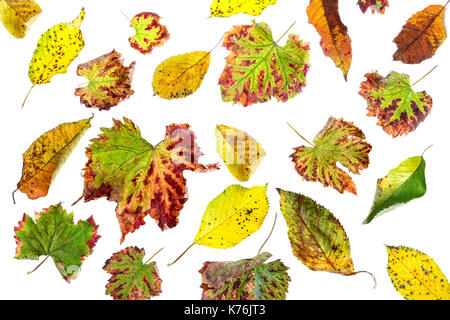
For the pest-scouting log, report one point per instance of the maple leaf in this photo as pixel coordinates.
(228, 8)
(109, 81)
(181, 75)
(335, 41)
(374, 5)
(46, 155)
(54, 234)
(131, 278)
(258, 69)
(18, 15)
(55, 51)
(143, 179)
(149, 32)
(421, 36)
(415, 275)
(398, 107)
(339, 141)
(247, 279)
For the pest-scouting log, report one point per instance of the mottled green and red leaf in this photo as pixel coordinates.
(149, 32)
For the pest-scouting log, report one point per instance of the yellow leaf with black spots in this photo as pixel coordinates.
(18, 15)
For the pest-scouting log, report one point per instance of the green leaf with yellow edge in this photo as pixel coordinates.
(181, 75)
(241, 153)
(402, 184)
(228, 8)
(316, 235)
(18, 15)
(55, 51)
(131, 278)
(246, 279)
(46, 155)
(231, 217)
(149, 32)
(415, 275)
(53, 234)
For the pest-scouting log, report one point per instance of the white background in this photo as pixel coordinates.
(421, 224)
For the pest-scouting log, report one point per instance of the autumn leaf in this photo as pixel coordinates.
(55, 51)
(131, 278)
(247, 279)
(54, 234)
(338, 142)
(240, 152)
(18, 15)
(228, 8)
(316, 235)
(46, 155)
(180, 76)
(421, 36)
(149, 32)
(398, 107)
(109, 81)
(402, 184)
(141, 178)
(335, 42)
(415, 275)
(374, 5)
(258, 68)
(231, 217)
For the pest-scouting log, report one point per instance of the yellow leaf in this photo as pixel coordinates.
(241, 153)
(180, 76)
(46, 155)
(415, 275)
(227, 8)
(18, 15)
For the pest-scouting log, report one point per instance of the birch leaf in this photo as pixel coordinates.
(149, 32)
(228, 8)
(241, 153)
(46, 155)
(18, 15)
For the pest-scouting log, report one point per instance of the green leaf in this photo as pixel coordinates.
(131, 278)
(247, 279)
(402, 184)
(53, 234)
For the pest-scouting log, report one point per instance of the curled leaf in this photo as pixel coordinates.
(335, 42)
(415, 275)
(109, 81)
(247, 279)
(374, 5)
(228, 8)
(398, 107)
(131, 278)
(149, 32)
(421, 36)
(257, 68)
(54, 234)
(241, 153)
(46, 155)
(180, 76)
(18, 15)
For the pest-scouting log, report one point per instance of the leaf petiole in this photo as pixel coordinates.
(40, 264)
(26, 97)
(424, 75)
(153, 256)
(270, 233)
(312, 144)
(179, 257)
(290, 27)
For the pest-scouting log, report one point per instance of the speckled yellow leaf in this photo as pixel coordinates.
(227, 8)
(18, 15)
(241, 153)
(415, 275)
(180, 76)
(46, 155)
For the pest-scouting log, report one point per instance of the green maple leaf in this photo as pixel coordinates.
(398, 107)
(149, 32)
(258, 69)
(131, 278)
(143, 179)
(339, 141)
(247, 279)
(53, 234)
(109, 81)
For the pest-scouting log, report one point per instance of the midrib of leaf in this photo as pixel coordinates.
(189, 67)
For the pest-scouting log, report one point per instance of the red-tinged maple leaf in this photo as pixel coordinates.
(374, 5)
(143, 179)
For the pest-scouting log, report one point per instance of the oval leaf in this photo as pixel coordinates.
(18, 15)
(227, 8)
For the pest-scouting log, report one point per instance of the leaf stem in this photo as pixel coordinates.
(363, 271)
(125, 16)
(14, 199)
(169, 264)
(300, 134)
(424, 75)
(76, 201)
(30, 272)
(428, 146)
(26, 97)
(273, 227)
(286, 31)
(153, 256)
